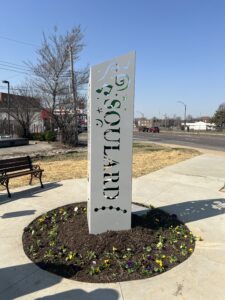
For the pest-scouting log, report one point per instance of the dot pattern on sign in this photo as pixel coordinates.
(110, 208)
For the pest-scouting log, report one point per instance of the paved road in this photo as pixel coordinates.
(211, 142)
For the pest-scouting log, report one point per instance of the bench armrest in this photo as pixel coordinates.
(36, 167)
(2, 173)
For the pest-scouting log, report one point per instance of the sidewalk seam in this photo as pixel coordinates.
(121, 290)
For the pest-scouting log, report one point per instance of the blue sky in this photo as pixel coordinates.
(180, 45)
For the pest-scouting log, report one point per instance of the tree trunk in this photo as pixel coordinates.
(69, 136)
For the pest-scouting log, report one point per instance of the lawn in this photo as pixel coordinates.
(146, 158)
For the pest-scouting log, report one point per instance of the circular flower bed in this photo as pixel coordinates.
(59, 242)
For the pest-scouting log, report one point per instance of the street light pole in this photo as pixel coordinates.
(8, 103)
(185, 111)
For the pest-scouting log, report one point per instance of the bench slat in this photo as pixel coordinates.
(15, 168)
(22, 173)
(15, 164)
(15, 160)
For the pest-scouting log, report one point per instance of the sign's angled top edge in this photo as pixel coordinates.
(131, 53)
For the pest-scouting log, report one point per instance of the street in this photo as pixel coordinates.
(204, 141)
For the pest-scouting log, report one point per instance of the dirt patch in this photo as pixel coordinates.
(59, 242)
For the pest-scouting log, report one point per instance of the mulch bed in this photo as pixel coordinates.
(59, 242)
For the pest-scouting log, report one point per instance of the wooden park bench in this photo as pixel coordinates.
(16, 167)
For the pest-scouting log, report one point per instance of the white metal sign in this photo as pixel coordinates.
(110, 128)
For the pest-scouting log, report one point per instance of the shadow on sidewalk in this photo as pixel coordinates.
(98, 294)
(21, 280)
(15, 214)
(196, 210)
(29, 192)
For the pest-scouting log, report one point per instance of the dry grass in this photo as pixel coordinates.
(146, 158)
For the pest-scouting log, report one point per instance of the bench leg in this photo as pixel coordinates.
(7, 187)
(42, 186)
(37, 174)
(31, 179)
(5, 182)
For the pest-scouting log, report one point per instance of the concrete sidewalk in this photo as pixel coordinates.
(189, 189)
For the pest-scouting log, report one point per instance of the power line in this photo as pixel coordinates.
(19, 42)
(19, 69)
(11, 70)
(13, 67)
(12, 64)
(20, 88)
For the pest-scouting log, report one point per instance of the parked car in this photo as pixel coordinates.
(154, 129)
(79, 129)
(143, 129)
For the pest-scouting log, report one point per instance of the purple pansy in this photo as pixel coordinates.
(129, 264)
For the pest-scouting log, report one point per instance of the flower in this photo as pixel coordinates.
(129, 264)
(128, 249)
(70, 256)
(94, 270)
(163, 256)
(107, 262)
(76, 209)
(94, 262)
(114, 249)
(190, 250)
(159, 262)
(149, 257)
(41, 219)
(159, 245)
(148, 248)
(148, 268)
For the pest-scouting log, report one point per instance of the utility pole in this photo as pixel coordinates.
(8, 103)
(165, 116)
(74, 92)
(185, 111)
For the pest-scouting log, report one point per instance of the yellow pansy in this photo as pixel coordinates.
(159, 262)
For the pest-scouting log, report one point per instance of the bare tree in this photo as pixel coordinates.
(24, 107)
(189, 118)
(54, 74)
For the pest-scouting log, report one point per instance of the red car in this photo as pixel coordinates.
(154, 129)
